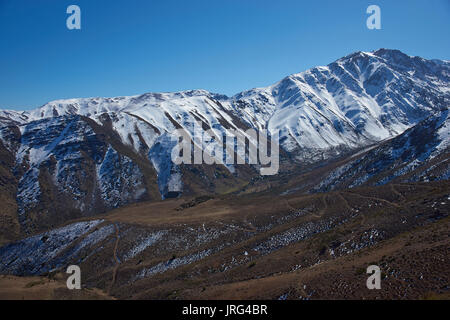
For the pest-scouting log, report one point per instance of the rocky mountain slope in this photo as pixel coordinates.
(255, 246)
(420, 154)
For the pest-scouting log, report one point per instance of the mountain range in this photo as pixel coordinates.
(364, 163)
(77, 157)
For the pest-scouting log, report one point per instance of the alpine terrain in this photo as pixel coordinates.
(363, 179)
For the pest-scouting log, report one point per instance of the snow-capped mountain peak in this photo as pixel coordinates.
(355, 101)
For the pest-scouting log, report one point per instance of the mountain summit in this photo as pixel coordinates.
(82, 156)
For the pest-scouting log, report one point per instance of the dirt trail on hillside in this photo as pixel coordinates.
(116, 245)
(345, 201)
(394, 190)
(374, 198)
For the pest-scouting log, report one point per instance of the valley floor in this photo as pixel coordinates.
(44, 288)
(253, 246)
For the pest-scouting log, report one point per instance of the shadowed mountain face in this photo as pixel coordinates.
(80, 157)
(419, 154)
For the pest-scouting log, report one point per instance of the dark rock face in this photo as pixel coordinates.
(419, 154)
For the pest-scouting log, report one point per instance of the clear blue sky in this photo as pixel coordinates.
(226, 46)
